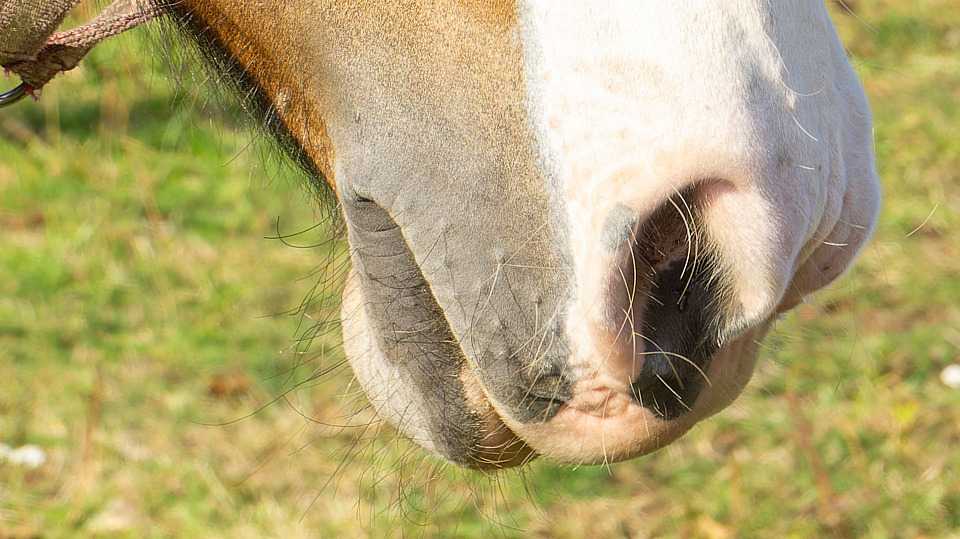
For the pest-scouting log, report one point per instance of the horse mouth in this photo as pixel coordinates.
(578, 398)
(600, 424)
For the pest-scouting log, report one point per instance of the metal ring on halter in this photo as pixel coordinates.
(11, 97)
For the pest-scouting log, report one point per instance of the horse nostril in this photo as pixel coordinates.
(682, 299)
(679, 334)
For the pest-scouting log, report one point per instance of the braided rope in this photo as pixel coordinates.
(62, 51)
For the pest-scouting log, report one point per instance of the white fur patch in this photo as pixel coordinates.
(638, 100)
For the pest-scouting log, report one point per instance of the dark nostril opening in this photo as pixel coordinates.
(679, 333)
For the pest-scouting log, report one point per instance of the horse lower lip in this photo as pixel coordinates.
(600, 425)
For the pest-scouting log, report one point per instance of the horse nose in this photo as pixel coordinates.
(680, 333)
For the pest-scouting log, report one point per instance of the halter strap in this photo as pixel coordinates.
(30, 49)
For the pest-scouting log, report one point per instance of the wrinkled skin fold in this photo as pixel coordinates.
(570, 222)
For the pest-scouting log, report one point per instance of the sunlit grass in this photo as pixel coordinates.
(148, 341)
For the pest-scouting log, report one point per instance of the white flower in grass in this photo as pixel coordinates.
(31, 456)
(951, 376)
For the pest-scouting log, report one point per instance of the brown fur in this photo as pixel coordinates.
(282, 48)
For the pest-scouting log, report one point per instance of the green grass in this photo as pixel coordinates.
(147, 341)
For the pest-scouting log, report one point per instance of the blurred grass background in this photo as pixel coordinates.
(148, 339)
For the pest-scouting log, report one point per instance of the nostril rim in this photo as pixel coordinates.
(618, 227)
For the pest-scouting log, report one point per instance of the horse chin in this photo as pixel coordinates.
(455, 421)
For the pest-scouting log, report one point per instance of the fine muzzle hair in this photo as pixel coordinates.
(570, 223)
(592, 248)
